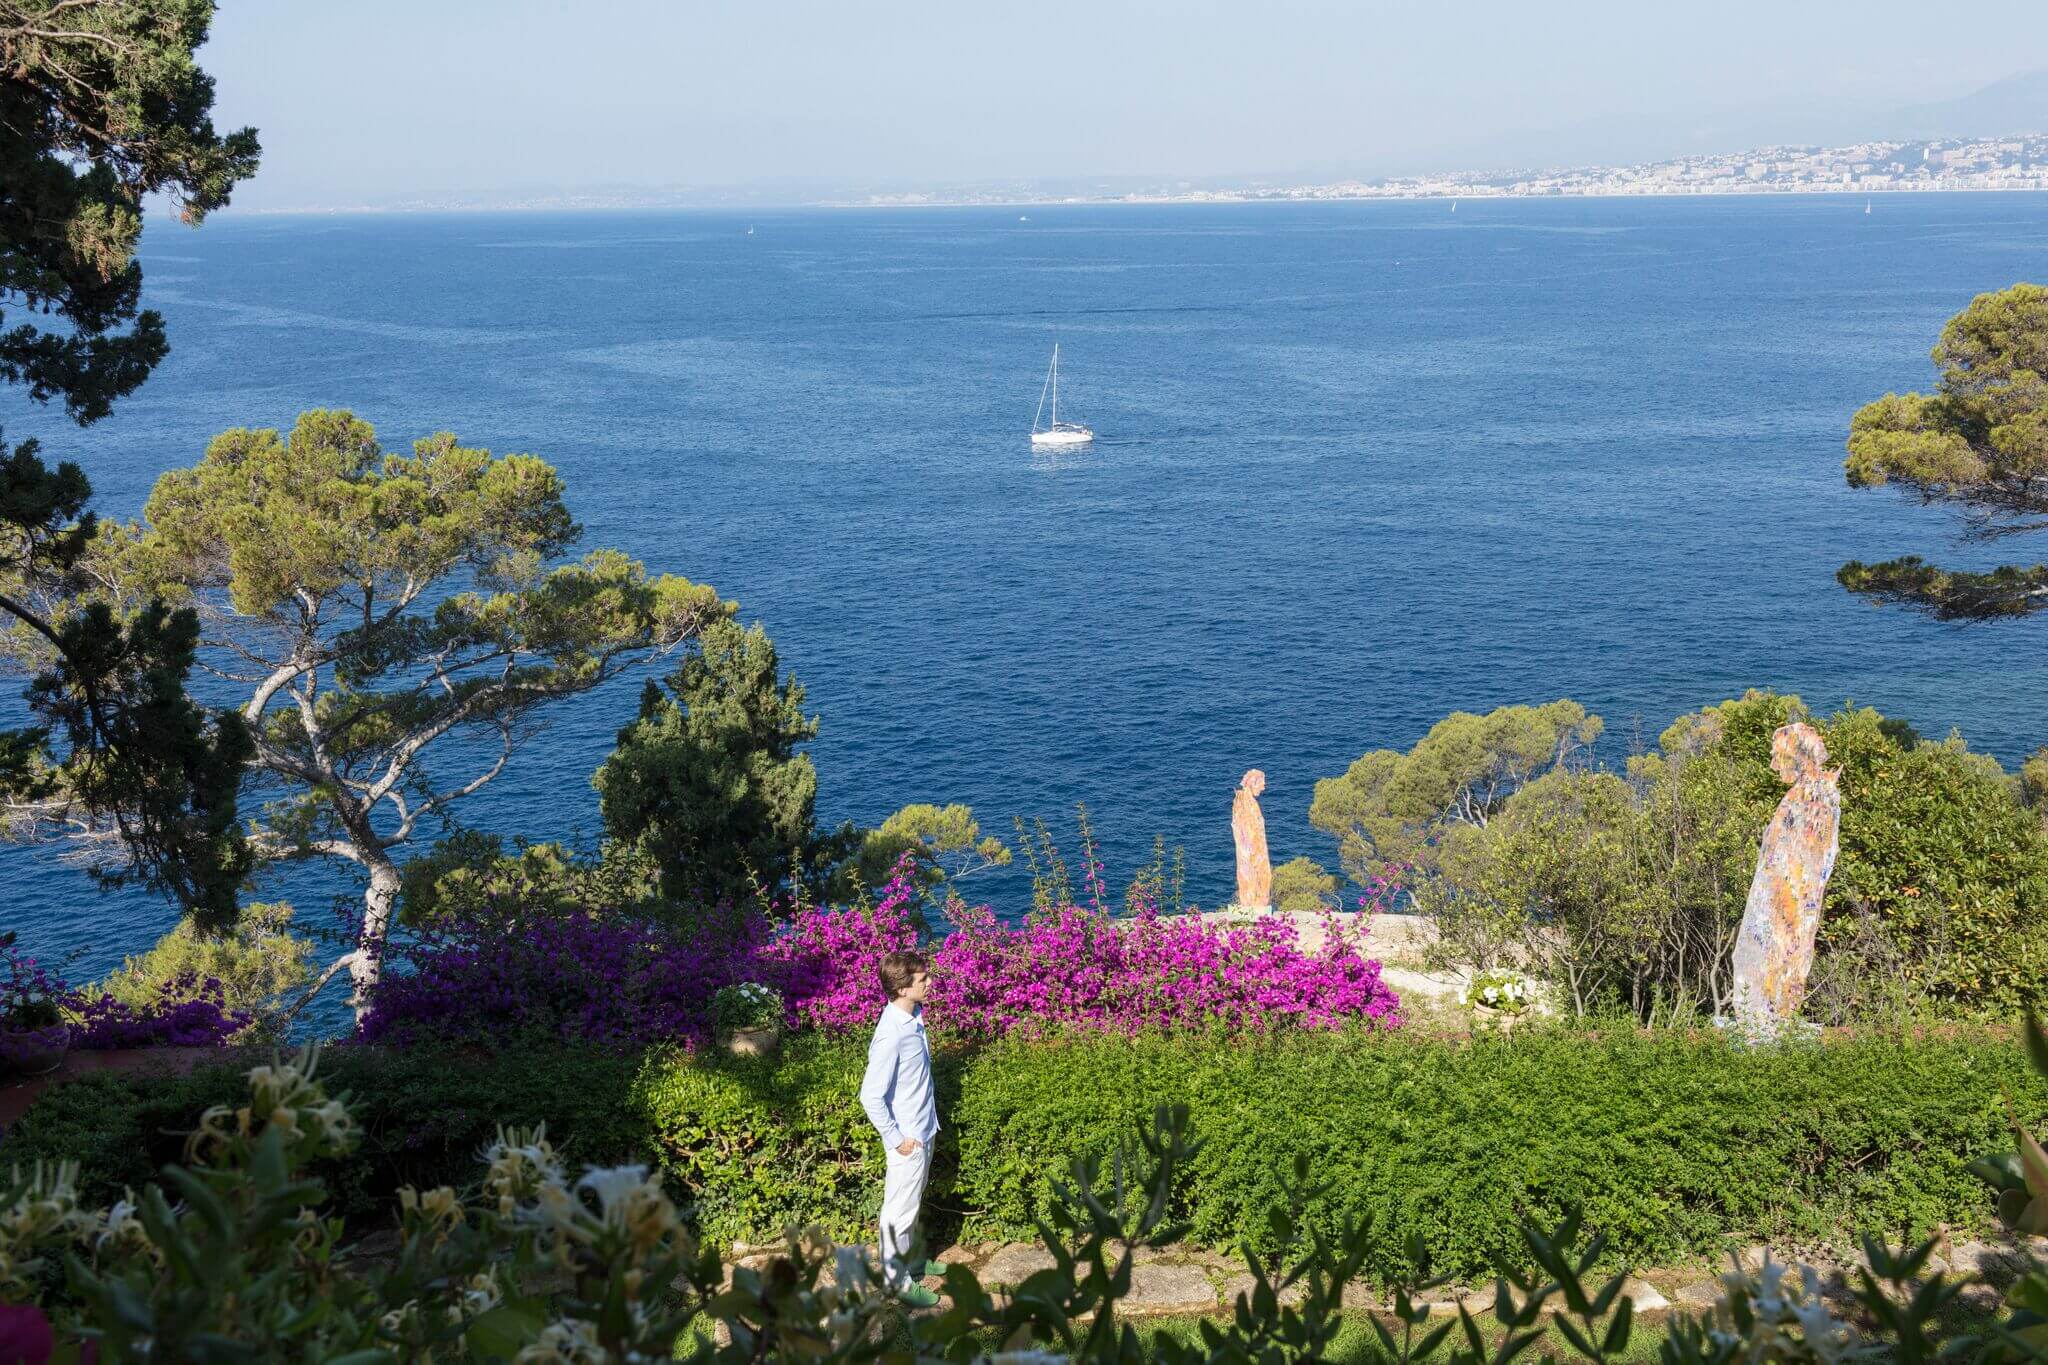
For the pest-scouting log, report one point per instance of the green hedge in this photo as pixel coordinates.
(1675, 1144)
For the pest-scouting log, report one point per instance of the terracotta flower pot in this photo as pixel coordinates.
(1498, 1021)
(753, 1042)
(33, 1051)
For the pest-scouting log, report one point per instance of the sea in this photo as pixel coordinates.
(1359, 465)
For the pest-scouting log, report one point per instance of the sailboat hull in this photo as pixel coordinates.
(1062, 438)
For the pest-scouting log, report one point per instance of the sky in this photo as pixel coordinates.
(375, 99)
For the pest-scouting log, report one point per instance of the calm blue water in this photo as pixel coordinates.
(1361, 465)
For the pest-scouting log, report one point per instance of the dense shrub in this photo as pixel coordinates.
(424, 1113)
(757, 1145)
(825, 960)
(1672, 1143)
(254, 963)
(523, 1264)
(565, 978)
(1079, 968)
(186, 1012)
(180, 1010)
(1675, 1144)
(1630, 886)
(580, 977)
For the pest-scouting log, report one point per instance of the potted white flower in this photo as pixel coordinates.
(1498, 998)
(748, 1017)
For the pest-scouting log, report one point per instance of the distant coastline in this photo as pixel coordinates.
(1104, 201)
(2012, 162)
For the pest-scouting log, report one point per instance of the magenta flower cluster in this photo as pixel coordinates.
(624, 981)
(825, 960)
(1077, 967)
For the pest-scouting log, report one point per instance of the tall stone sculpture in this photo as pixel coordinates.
(1774, 950)
(1248, 832)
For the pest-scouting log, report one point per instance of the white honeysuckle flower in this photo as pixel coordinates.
(570, 1341)
(120, 1226)
(614, 1187)
(482, 1295)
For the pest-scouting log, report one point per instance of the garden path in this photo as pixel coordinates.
(1181, 1282)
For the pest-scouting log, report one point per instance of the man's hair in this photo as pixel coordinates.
(898, 970)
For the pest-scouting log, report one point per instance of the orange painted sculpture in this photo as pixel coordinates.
(1774, 949)
(1248, 832)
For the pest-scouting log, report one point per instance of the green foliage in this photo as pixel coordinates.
(1672, 1144)
(1389, 808)
(746, 1005)
(385, 605)
(1160, 882)
(1981, 441)
(1630, 889)
(1557, 874)
(1301, 884)
(707, 781)
(1429, 1161)
(760, 1144)
(101, 106)
(528, 1265)
(423, 1114)
(138, 756)
(469, 878)
(232, 1255)
(232, 1258)
(944, 844)
(2033, 781)
(257, 962)
(1935, 845)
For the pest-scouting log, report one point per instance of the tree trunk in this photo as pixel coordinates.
(378, 903)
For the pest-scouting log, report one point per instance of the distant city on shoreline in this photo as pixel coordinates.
(2018, 162)
(2012, 162)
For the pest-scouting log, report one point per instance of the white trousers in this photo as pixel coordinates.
(902, 1194)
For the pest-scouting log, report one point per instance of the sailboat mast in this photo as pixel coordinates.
(1055, 383)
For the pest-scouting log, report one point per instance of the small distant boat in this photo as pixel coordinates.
(1059, 433)
(1454, 206)
(1866, 206)
(1022, 219)
(750, 232)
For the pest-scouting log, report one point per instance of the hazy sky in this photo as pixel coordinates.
(374, 98)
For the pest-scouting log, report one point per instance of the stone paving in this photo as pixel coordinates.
(1184, 1282)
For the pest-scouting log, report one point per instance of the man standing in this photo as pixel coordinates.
(897, 1094)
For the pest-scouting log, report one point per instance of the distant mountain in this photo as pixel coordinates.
(2017, 104)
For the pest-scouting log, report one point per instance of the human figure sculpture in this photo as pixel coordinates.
(1774, 949)
(1248, 832)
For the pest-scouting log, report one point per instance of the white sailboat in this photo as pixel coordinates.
(1866, 206)
(1059, 433)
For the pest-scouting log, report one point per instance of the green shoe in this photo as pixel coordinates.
(917, 1296)
(938, 1268)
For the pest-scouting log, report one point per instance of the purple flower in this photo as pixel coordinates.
(25, 1335)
